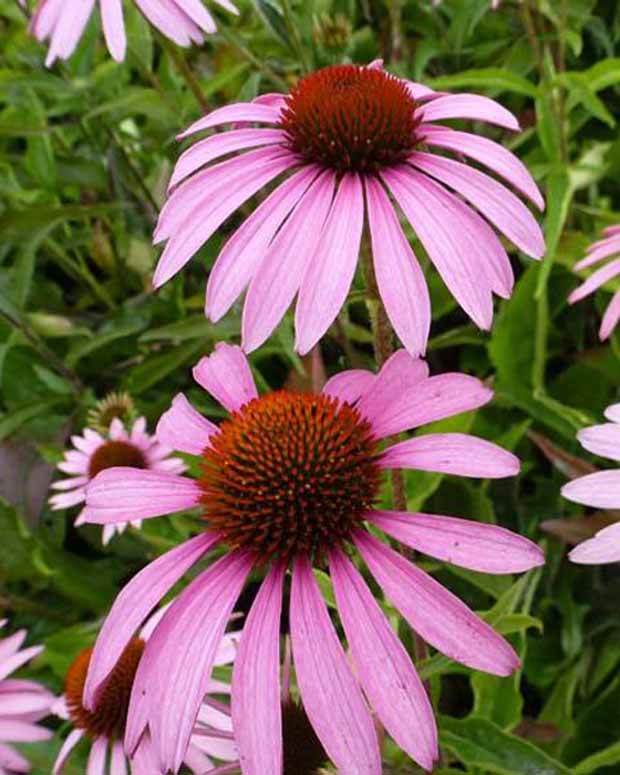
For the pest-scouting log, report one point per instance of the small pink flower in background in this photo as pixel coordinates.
(22, 704)
(63, 23)
(94, 452)
(600, 490)
(290, 481)
(357, 143)
(606, 248)
(104, 724)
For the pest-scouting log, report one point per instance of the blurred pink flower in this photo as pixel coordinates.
(94, 452)
(605, 248)
(22, 704)
(63, 23)
(600, 490)
(291, 480)
(359, 143)
(104, 725)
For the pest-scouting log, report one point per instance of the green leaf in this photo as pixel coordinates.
(485, 79)
(155, 368)
(597, 761)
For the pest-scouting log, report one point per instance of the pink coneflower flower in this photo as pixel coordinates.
(94, 453)
(600, 490)
(104, 723)
(22, 704)
(603, 249)
(63, 23)
(289, 481)
(354, 144)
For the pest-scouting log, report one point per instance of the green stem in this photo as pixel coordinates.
(186, 72)
(264, 68)
(293, 31)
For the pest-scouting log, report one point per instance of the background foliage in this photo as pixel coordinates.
(85, 151)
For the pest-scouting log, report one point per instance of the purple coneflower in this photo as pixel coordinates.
(605, 248)
(63, 23)
(94, 453)
(104, 724)
(290, 481)
(349, 145)
(600, 490)
(22, 704)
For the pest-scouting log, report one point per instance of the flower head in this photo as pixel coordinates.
(104, 723)
(95, 452)
(606, 248)
(355, 144)
(289, 482)
(22, 704)
(64, 21)
(600, 490)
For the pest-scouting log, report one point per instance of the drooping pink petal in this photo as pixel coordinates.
(602, 548)
(475, 545)
(175, 670)
(19, 703)
(12, 644)
(217, 145)
(610, 318)
(240, 111)
(18, 659)
(489, 153)
(436, 614)
(279, 276)
(97, 757)
(612, 413)
(595, 280)
(72, 739)
(11, 761)
(118, 762)
(400, 279)
(67, 31)
(227, 376)
(435, 398)
(437, 217)
(183, 428)
(601, 490)
(329, 692)
(608, 247)
(401, 372)
(123, 494)
(14, 731)
(452, 453)
(243, 253)
(349, 385)
(256, 711)
(199, 15)
(383, 666)
(602, 440)
(471, 106)
(165, 17)
(134, 603)
(328, 276)
(114, 28)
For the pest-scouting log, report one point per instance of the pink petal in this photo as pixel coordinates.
(400, 373)
(323, 288)
(199, 15)
(432, 399)
(243, 253)
(280, 274)
(452, 453)
(489, 153)
(458, 252)
(594, 281)
(471, 106)
(8, 666)
(603, 548)
(114, 28)
(383, 666)
(612, 413)
(492, 199)
(183, 428)
(118, 762)
(436, 614)
(19, 703)
(256, 712)
(124, 494)
(97, 757)
(70, 24)
(400, 279)
(22, 732)
(72, 739)
(475, 545)
(229, 114)
(175, 670)
(329, 692)
(608, 247)
(165, 17)
(611, 317)
(11, 761)
(214, 146)
(11, 645)
(227, 376)
(603, 440)
(600, 490)
(350, 385)
(134, 603)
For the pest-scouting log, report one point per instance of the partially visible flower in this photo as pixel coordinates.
(605, 248)
(94, 453)
(64, 21)
(359, 144)
(115, 405)
(600, 490)
(290, 481)
(22, 704)
(104, 724)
